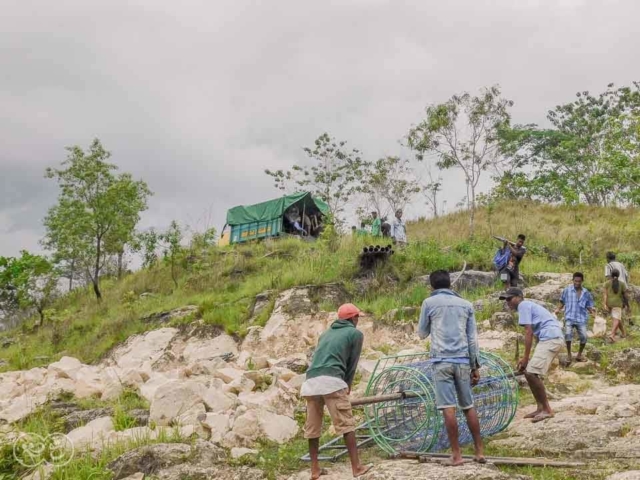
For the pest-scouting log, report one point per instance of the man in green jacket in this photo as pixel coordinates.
(328, 382)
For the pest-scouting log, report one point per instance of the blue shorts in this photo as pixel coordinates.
(452, 379)
(580, 327)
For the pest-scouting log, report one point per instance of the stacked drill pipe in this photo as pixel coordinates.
(407, 419)
(373, 255)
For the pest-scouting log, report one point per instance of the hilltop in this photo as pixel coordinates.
(222, 283)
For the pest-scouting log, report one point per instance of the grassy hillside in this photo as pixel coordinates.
(223, 282)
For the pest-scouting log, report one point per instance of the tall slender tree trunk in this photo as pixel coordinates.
(71, 272)
(120, 263)
(96, 289)
(472, 213)
(95, 279)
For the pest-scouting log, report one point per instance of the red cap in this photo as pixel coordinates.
(348, 311)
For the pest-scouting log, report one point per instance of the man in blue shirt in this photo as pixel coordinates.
(577, 303)
(540, 323)
(451, 323)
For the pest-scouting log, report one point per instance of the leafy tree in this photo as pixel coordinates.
(431, 189)
(28, 281)
(172, 249)
(334, 174)
(589, 155)
(389, 184)
(147, 244)
(463, 134)
(97, 210)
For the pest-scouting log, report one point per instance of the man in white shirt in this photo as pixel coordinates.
(612, 264)
(399, 229)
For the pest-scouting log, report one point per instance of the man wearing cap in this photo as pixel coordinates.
(328, 382)
(540, 323)
(451, 323)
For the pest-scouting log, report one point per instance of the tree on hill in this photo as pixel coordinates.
(26, 282)
(463, 133)
(96, 213)
(334, 174)
(388, 184)
(589, 155)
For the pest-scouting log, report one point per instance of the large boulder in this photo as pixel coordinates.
(174, 399)
(144, 349)
(21, 406)
(548, 292)
(93, 435)
(597, 423)
(217, 400)
(279, 398)
(154, 459)
(66, 367)
(203, 349)
(149, 388)
(300, 301)
(257, 424)
(218, 424)
(627, 361)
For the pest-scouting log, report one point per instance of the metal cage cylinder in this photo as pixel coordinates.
(414, 423)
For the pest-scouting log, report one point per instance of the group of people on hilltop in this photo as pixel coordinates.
(450, 322)
(396, 230)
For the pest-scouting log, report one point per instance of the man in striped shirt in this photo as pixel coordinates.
(577, 302)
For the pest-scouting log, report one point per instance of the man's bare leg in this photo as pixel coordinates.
(569, 352)
(352, 447)
(539, 392)
(451, 424)
(580, 357)
(474, 427)
(616, 325)
(314, 447)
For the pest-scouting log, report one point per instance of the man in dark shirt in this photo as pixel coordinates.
(513, 269)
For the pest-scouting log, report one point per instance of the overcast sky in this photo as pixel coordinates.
(199, 97)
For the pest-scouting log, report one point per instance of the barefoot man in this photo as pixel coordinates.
(451, 323)
(540, 323)
(328, 383)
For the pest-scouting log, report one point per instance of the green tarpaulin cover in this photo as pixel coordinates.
(265, 211)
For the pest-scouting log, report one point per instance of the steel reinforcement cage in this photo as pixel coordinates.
(414, 423)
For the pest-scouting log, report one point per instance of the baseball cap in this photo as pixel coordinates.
(510, 293)
(348, 311)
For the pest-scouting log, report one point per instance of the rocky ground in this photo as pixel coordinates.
(233, 395)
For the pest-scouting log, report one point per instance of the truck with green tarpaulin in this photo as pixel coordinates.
(272, 218)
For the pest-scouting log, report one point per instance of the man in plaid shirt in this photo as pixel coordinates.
(577, 303)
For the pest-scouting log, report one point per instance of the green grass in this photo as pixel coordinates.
(223, 282)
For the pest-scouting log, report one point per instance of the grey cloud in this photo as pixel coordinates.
(199, 98)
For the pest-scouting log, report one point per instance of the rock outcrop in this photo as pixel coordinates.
(603, 423)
